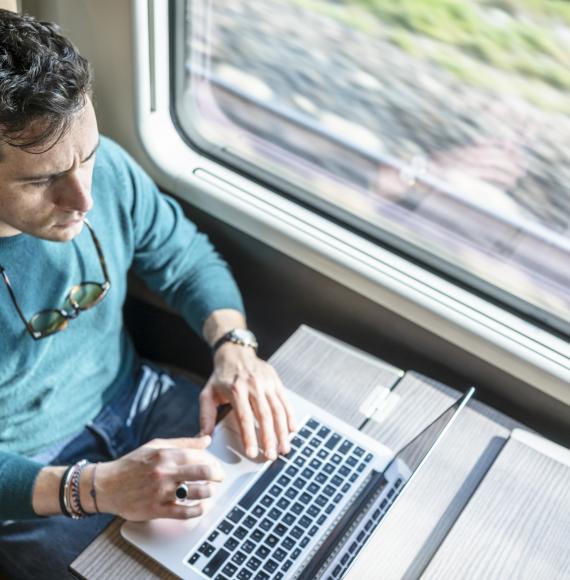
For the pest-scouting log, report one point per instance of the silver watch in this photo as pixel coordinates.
(239, 336)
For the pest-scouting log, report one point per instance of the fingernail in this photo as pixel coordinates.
(271, 454)
(252, 452)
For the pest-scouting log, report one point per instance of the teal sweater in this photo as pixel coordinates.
(51, 388)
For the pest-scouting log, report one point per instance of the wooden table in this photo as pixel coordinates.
(346, 382)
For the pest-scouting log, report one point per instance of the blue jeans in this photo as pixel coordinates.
(154, 405)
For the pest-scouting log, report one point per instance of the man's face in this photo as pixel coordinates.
(48, 194)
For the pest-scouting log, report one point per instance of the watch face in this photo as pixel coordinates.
(244, 337)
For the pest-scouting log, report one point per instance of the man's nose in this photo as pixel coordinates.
(75, 194)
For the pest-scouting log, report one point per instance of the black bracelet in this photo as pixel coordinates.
(62, 506)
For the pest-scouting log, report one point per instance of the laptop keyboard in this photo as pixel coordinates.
(274, 524)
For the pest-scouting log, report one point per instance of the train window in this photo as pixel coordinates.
(441, 128)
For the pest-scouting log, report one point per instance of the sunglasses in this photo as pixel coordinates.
(81, 297)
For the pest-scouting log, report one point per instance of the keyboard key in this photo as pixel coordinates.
(333, 440)
(305, 498)
(351, 461)
(296, 442)
(262, 552)
(248, 546)
(336, 458)
(288, 519)
(296, 553)
(368, 458)
(315, 442)
(353, 477)
(398, 483)
(275, 490)
(280, 530)
(300, 461)
(226, 527)
(297, 508)
(361, 468)
(307, 451)
(391, 492)
(240, 533)
(279, 554)
(337, 570)
(304, 432)
(258, 511)
(262, 484)
(313, 530)
(214, 564)
(361, 536)
(206, 549)
(267, 500)
(213, 536)
(235, 515)
(329, 508)
(321, 520)
(300, 483)
(312, 424)
(253, 563)
(231, 544)
(328, 468)
(345, 487)
(288, 543)
(283, 503)
(321, 500)
(194, 558)
(271, 566)
(383, 504)
(313, 511)
(284, 481)
(323, 453)
(321, 478)
(345, 447)
(239, 557)
(275, 514)
(353, 547)
(338, 497)
(292, 471)
(329, 490)
(244, 574)
(291, 493)
(344, 470)
(368, 525)
(261, 575)
(359, 452)
(313, 488)
(287, 565)
(257, 535)
(344, 559)
(315, 463)
(305, 522)
(305, 541)
(229, 570)
(297, 532)
(271, 540)
(323, 432)
(266, 524)
(279, 576)
(336, 481)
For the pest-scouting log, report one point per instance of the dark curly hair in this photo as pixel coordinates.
(42, 78)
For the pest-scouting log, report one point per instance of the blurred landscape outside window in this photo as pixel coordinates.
(441, 126)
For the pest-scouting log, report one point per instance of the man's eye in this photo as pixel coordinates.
(39, 184)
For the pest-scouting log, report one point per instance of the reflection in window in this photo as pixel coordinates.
(441, 126)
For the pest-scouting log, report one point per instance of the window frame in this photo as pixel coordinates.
(507, 341)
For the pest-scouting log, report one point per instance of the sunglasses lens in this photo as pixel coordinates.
(48, 322)
(86, 295)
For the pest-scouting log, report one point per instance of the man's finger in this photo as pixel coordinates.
(208, 411)
(245, 418)
(264, 417)
(279, 423)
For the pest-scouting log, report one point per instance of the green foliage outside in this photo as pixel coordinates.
(515, 36)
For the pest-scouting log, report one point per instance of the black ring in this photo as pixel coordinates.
(182, 491)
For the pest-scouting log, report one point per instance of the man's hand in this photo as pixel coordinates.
(142, 484)
(255, 391)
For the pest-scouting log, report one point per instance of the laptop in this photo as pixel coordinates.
(304, 516)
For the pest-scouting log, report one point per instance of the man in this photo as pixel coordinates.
(71, 384)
